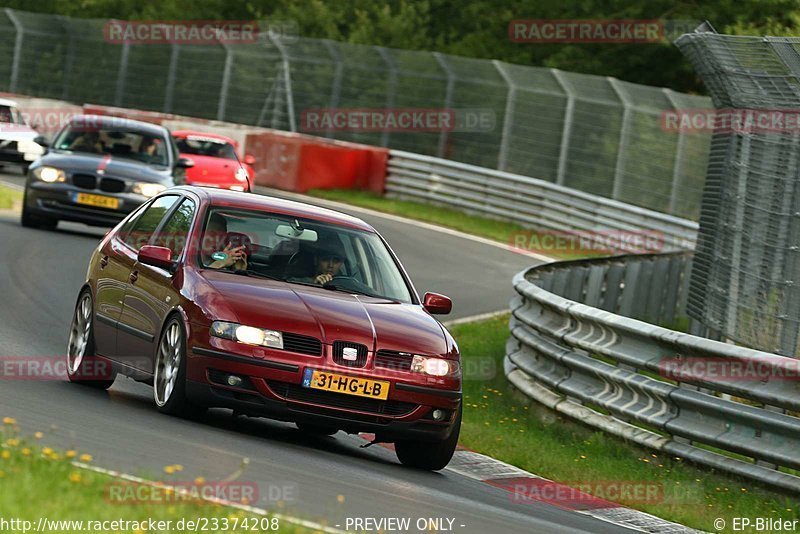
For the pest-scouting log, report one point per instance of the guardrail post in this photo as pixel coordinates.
(121, 74)
(287, 78)
(336, 87)
(678, 164)
(18, 42)
(622, 146)
(226, 80)
(391, 90)
(508, 118)
(566, 132)
(169, 90)
(448, 100)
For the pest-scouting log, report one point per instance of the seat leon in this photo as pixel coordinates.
(270, 308)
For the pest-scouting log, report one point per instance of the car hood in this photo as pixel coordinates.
(116, 167)
(329, 315)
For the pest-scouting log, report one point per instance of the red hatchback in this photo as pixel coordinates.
(215, 161)
(271, 308)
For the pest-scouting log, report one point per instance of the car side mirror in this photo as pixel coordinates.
(160, 257)
(41, 140)
(249, 159)
(437, 304)
(184, 163)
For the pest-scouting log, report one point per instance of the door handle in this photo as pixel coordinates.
(103, 262)
(133, 277)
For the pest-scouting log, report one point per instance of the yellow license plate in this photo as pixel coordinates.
(99, 201)
(350, 385)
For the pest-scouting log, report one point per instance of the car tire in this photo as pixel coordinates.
(169, 376)
(317, 430)
(428, 455)
(83, 366)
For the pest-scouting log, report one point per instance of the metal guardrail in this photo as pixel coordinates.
(571, 350)
(527, 201)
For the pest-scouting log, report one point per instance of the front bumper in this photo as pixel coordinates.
(55, 200)
(272, 388)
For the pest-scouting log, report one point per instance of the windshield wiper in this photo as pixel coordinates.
(335, 287)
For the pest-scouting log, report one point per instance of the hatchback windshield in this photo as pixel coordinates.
(301, 251)
(205, 146)
(118, 142)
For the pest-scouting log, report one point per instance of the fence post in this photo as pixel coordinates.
(566, 132)
(676, 167)
(287, 79)
(391, 90)
(622, 146)
(226, 80)
(121, 74)
(170, 87)
(12, 83)
(448, 100)
(508, 122)
(69, 59)
(336, 88)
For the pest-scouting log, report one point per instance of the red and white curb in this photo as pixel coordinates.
(521, 484)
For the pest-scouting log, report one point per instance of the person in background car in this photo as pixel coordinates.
(88, 141)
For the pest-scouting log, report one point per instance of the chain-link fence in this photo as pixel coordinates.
(592, 133)
(745, 283)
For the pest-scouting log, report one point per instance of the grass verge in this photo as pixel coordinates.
(43, 483)
(9, 197)
(506, 233)
(505, 425)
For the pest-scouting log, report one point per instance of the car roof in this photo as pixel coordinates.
(187, 133)
(109, 121)
(253, 201)
(7, 102)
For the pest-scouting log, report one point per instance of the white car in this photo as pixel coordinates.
(18, 141)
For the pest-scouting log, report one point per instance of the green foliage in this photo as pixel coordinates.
(477, 28)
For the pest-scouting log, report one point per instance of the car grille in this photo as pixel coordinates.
(302, 344)
(390, 359)
(112, 185)
(294, 392)
(84, 181)
(338, 354)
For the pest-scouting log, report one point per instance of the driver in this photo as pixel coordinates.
(229, 256)
(328, 262)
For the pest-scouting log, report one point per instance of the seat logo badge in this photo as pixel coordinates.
(350, 354)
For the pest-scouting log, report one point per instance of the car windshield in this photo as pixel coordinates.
(301, 251)
(205, 146)
(117, 142)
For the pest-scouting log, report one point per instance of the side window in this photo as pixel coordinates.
(175, 232)
(148, 221)
(127, 226)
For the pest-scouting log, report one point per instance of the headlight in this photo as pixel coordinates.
(434, 366)
(49, 174)
(241, 174)
(248, 335)
(147, 189)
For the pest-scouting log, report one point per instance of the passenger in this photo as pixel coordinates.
(230, 256)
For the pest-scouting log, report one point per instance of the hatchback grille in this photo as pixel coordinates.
(397, 361)
(112, 185)
(298, 393)
(360, 359)
(302, 344)
(84, 181)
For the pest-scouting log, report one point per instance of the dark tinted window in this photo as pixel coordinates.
(148, 221)
(175, 231)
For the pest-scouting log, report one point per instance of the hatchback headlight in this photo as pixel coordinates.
(434, 366)
(49, 174)
(248, 335)
(147, 189)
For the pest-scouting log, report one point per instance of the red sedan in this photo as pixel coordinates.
(216, 163)
(271, 308)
